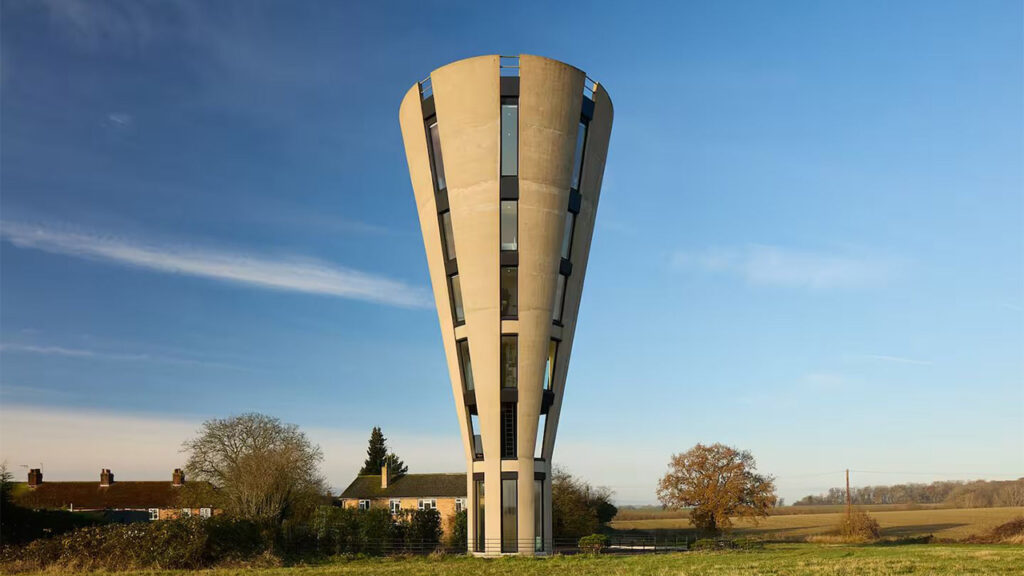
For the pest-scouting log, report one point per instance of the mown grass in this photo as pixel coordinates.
(777, 559)
(946, 523)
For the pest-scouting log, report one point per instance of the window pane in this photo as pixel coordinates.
(509, 225)
(577, 163)
(478, 516)
(509, 361)
(549, 366)
(509, 292)
(509, 139)
(478, 445)
(538, 515)
(570, 221)
(556, 314)
(509, 516)
(538, 449)
(456, 286)
(466, 364)
(446, 236)
(435, 149)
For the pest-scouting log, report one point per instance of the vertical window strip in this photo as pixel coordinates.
(510, 138)
(480, 540)
(435, 154)
(509, 515)
(447, 239)
(465, 364)
(455, 289)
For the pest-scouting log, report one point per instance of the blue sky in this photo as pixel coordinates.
(809, 243)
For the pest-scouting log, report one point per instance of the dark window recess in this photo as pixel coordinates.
(556, 313)
(509, 224)
(577, 163)
(510, 138)
(538, 515)
(465, 364)
(447, 239)
(508, 430)
(480, 542)
(509, 292)
(455, 287)
(435, 154)
(570, 223)
(509, 361)
(509, 515)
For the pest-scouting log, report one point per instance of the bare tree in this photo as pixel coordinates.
(262, 469)
(716, 482)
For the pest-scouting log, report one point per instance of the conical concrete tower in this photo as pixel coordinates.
(506, 157)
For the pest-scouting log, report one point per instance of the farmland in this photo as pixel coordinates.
(796, 523)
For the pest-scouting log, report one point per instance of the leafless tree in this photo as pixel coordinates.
(262, 469)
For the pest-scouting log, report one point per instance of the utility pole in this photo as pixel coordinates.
(847, 492)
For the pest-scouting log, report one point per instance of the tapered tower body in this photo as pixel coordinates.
(506, 157)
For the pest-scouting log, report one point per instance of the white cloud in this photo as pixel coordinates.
(84, 353)
(120, 119)
(776, 266)
(290, 273)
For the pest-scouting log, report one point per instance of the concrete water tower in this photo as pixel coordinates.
(506, 157)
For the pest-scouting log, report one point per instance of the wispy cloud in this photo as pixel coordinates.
(293, 274)
(85, 353)
(896, 359)
(777, 266)
(120, 119)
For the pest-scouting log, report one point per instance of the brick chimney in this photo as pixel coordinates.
(178, 478)
(106, 477)
(35, 477)
(384, 477)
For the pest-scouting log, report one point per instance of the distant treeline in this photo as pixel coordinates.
(959, 494)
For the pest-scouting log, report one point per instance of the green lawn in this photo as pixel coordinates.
(778, 560)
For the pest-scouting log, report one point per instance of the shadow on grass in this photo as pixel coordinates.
(919, 529)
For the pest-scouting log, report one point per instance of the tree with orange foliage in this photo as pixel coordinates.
(716, 482)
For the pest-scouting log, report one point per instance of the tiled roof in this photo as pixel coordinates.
(408, 486)
(90, 495)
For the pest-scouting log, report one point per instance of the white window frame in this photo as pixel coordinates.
(395, 505)
(427, 504)
(154, 514)
(364, 504)
(186, 512)
(205, 512)
(460, 504)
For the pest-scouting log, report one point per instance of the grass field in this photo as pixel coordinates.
(952, 523)
(778, 560)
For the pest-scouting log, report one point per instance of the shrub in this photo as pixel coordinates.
(425, 528)
(375, 530)
(593, 544)
(859, 526)
(458, 537)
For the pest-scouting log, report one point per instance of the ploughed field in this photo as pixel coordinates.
(896, 522)
(776, 559)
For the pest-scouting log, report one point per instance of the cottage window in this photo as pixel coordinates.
(154, 513)
(364, 504)
(428, 504)
(460, 504)
(395, 506)
(205, 512)
(186, 512)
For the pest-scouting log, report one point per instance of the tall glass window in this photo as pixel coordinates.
(509, 139)
(456, 289)
(509, 292)
(549, 366)
(509, 515)
(570, 222)
(465, 364)
(538, 515)
(508, 430)
(435, 152)
(478, 516)
(478, 444)
(509, 225)
(556, 314)
(509, 361)
(446, 236)
(577, 162)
